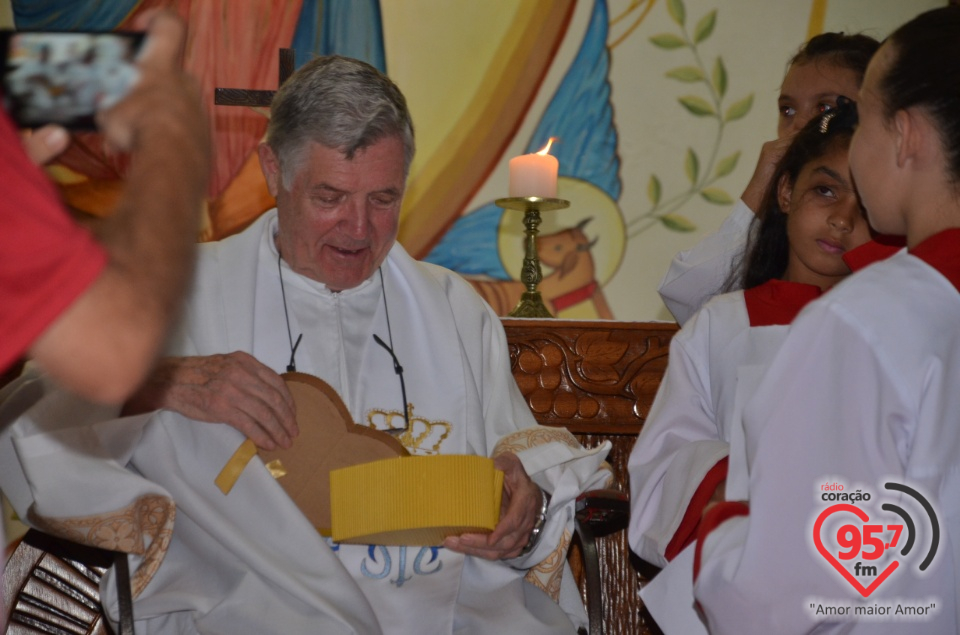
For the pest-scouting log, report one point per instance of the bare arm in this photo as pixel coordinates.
(103, 345)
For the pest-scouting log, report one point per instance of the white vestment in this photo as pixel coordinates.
(250, 561)
(716, 362)
(694, 416)
(864, 391)
(699, 273)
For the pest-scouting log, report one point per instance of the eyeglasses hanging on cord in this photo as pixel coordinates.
(292, 366)
(397, 368)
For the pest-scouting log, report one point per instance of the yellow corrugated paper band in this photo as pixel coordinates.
(231, 471)
(414, 500)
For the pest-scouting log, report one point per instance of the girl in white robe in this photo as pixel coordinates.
(828, 66)
(680, 461)
(862, 397)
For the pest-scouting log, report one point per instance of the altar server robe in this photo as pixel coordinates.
(863, 391)
(716, 361)
(697, 274)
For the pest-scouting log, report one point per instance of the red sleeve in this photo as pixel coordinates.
(687, 531)
(46, 260)
(712, 519)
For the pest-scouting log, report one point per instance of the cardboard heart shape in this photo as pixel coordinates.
(328, 440)
(862, 515)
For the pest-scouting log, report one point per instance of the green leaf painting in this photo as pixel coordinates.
(701, 165)
(668, 41)
(653, 189)
(677, 11)
(686, 74)
(740, 109)
(719, 77)
(705, 27)
(697, 106)
(677, 223)
(716, 195)
(727, 165)
(691, 165)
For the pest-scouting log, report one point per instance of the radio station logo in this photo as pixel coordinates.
(866, 544)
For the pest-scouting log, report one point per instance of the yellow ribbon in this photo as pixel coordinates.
(231, 471)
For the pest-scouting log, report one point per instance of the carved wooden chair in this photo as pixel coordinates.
(52, 586)
(598, 379)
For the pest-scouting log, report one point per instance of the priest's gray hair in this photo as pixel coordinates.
(340, 103)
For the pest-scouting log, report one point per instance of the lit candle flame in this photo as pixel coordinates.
(546, 148)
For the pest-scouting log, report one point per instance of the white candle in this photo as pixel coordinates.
(534, 174)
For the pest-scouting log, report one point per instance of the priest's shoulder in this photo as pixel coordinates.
(454, 285)
(244, 243)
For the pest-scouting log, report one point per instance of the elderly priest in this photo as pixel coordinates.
(318, 285)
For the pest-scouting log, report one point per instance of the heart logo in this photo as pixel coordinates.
(833, 560)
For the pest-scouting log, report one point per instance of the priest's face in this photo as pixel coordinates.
(338, 219)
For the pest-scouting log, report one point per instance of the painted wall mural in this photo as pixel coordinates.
(713, 81)
(658, 109)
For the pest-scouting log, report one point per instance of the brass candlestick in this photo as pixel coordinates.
(531, 304)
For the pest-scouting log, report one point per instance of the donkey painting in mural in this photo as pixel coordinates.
(571, 282)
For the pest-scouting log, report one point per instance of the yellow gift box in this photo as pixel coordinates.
(414, 500)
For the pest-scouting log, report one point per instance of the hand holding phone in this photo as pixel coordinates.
(66, 78)
(45, 144)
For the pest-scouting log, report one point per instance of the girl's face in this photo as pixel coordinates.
(810, 89)
(873, 152)
(824, 220)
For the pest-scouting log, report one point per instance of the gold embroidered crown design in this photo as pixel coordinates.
(422, 438)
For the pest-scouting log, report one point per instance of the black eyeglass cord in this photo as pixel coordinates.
(397, 368)
(292, 366)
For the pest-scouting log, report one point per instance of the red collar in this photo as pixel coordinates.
(942, 252)
(777, 302)
(879, 248)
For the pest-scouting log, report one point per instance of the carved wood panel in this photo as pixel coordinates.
(592, 377)
(598, 379)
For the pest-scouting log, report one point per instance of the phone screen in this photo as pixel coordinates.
(65, 78)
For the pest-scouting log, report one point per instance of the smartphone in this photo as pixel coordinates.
(66, 77)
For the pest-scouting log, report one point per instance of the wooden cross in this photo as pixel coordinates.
(247, 97)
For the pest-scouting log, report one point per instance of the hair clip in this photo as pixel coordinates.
(845, 111)
(825, 120)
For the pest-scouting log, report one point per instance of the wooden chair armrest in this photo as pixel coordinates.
(604, 511)
(51, 586)
(599, 513)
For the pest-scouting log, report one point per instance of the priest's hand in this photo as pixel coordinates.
(518, 513)
(235, 389)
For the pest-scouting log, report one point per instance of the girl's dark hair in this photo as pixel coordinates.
(768, 248)
(852, 52)
(924, 71)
